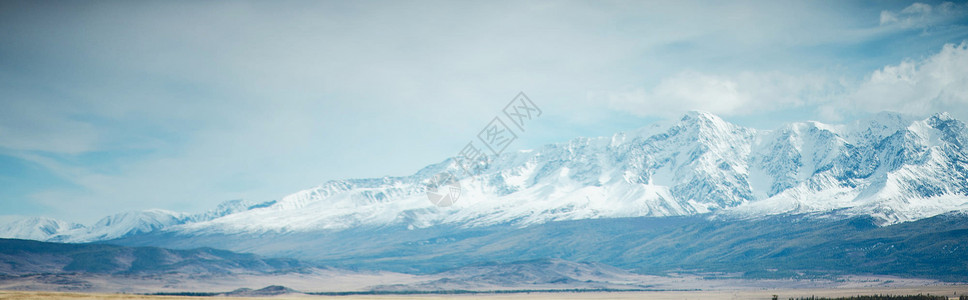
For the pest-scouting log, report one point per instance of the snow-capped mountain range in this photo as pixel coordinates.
(893, 167)
(115, 226)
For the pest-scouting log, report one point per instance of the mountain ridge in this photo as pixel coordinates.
(896, 168)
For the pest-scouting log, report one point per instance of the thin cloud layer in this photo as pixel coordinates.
(922, 15)
(742, 94)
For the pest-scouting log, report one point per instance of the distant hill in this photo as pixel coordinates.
(19, 257)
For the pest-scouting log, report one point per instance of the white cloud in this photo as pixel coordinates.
(922, 87)
(888, 17)
(745, 93)
(937, 83)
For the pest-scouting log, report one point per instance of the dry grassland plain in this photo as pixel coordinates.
(951, 291)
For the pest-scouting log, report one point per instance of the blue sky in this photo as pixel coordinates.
(107, 106)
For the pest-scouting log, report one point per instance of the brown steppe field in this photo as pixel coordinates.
(952, 291)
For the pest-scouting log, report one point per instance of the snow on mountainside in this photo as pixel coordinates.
(890, 166)
(124, 224)
(37, 228)
(117, 225)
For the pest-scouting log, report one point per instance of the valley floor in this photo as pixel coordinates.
(952, 291)
(361, 285)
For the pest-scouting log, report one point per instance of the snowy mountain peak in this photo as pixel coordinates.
(942, 116)
(700, 115)
(705, 123)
